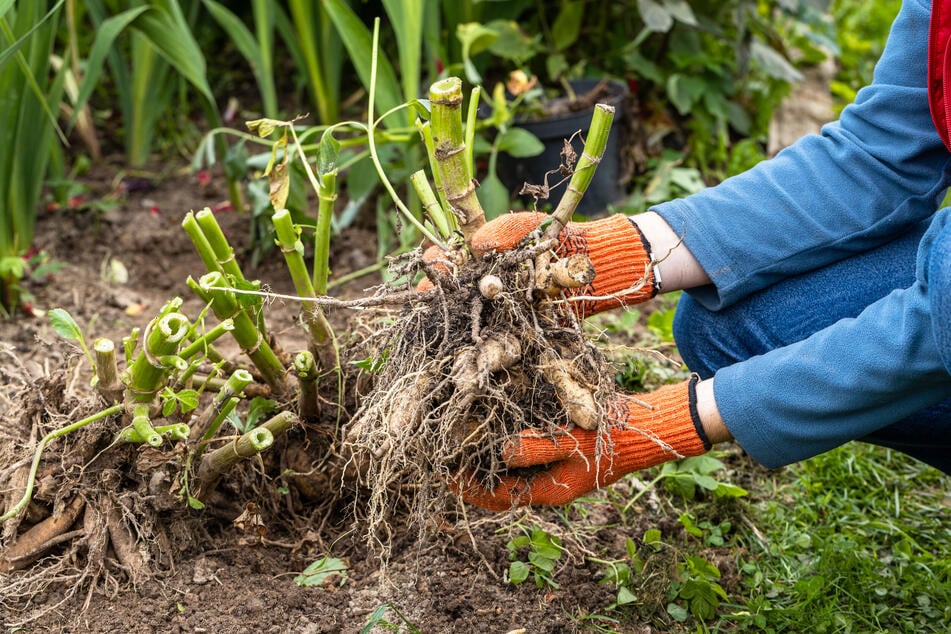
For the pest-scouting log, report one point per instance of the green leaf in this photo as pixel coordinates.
(512, 42)
(652, 536)
(655, 16)
(518, 572)
(680, 10)
(323, 571)
(493, 196)
(684, 91)
(678, 613)
(625, 596)
(328, 151)
(188, 400)
(64, 325)
(195, 503)
(520, 143)
(7, 53)
(567, 26)
(772, 62)
(259, 408)
(475, 38)
(12, 266)
(729, 491)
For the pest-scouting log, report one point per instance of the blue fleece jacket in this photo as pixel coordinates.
(878, 171)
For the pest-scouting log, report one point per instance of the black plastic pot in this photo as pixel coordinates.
(605, 188)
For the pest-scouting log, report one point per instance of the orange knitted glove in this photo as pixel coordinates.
(617, 249)
(641, 432)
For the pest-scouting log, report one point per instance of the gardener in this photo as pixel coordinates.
(818, 304)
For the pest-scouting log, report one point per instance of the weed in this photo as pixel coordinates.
(542, 551)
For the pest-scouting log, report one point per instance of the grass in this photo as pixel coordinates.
(854, 540)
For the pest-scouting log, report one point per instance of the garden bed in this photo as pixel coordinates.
(218, 576)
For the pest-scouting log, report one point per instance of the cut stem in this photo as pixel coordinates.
(306, 368)
(107, 370)
(587, 164)
(455, 171)
(214, 288)
(214, 465)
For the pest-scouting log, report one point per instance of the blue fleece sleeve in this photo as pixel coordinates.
(879, 169)
(845, 381)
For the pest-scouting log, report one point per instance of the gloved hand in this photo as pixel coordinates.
(642, 431)
(617, 249)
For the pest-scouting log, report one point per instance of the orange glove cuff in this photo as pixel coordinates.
(657, 427)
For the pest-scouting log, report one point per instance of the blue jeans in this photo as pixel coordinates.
(795, 308)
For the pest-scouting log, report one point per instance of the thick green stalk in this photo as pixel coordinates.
(224, 254)
(205, 252)
(148, 373)
(31, 479)
(143, 425)
(326, 195)
(455, 172)
(584, 170)
(308, 405)
(207, 422)
(107, 370)
(214, 288)
(220, 461)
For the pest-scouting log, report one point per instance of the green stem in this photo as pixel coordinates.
(445, 222)
(289, 241)
(143, 426)
(207, 423)
(450, 153)
(221, 460)
(203, 343)
(213, 287)
(148, 373)
(325, 209)
(107, 370)
(224, 254)
(205, 251)
(584, 170)
(31, 479)
(374, 155)
(308, 405)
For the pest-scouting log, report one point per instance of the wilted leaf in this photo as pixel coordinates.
(263, 127)
(280, 186)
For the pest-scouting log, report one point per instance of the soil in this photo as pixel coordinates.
(222, 578)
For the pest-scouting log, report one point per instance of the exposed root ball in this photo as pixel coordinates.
(462, 370)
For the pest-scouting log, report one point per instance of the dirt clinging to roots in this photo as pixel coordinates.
(459, 374)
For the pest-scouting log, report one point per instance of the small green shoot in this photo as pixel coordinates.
(686, 477)
(323, 572)
(377, 619)
(183, 401)
(66, 327)
(699, 587)
(543, 552)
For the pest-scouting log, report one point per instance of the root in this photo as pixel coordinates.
(40, 538)
(466, 365)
